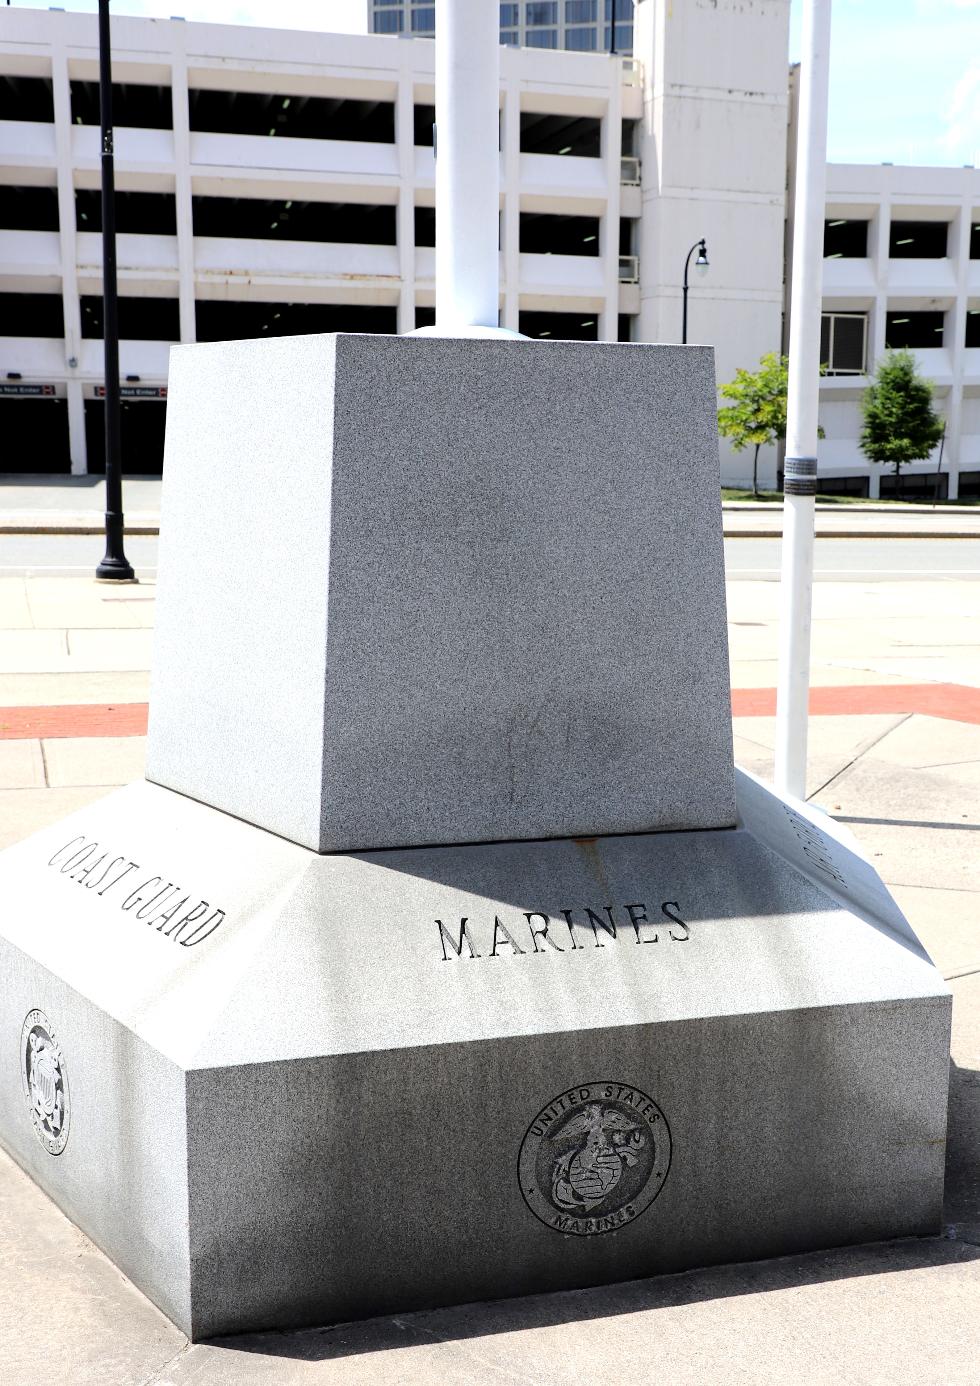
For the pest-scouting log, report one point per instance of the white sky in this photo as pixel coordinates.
(904, 77)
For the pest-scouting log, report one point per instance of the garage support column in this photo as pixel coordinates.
(405, 211)
(511, 154)
(61, 91)
(612, 149)
(183, 202)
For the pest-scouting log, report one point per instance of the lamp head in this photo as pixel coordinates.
(701, 263)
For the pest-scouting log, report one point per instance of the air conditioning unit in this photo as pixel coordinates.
(629, 269)
(632, 72)
(629, 170)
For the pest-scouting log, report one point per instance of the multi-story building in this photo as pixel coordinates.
(584, 26)
(272, 181)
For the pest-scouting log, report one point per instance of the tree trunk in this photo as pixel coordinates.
(898, 481)
(755, 471)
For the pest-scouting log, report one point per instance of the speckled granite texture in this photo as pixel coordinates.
(326, 1104)
(416, 590)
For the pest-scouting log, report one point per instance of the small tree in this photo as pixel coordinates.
(757, 414)
(900, 423)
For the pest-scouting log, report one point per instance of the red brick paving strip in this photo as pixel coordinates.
(948, 700)
(81, 719)
(953, 701)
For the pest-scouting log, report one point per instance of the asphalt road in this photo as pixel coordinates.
(836, 560)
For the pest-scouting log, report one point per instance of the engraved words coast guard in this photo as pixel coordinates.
(594, 1158)
(563, 931)
(179, 916)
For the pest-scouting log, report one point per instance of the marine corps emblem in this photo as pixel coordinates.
(42, 1068)
(595, 1158)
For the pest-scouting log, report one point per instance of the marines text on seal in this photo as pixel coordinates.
(595, 1158)
(42, 1068)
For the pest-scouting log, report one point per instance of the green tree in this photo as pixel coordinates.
(900, 423)
(757, 414)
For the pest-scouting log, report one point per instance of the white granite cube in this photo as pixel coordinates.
(418, 591)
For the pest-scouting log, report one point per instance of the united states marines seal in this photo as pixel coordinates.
(45, 1081)
(594, 1158)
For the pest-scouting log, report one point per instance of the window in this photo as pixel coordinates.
(31, 315)
(917, 240)
(625, 326)
(915, 485)
(624, 38)
(425, 317)
(298, 117)
(627, 235)
(549, 134)
(26, 98)
(568, 327)
(510, 38)
(259, 218)
(842, 486)
(541, 38)
(389, 22)
(139, 213)
(844, 343)
(975, 241)
(133, 104)
(510, 16)
(972, 327)
(223, 320)
(424, 119)
(580, 40)
(538, 14)
(580, 11)
(844, 239)
(140, 319)
(425, 226)
(969, 488)
(28, 209)
(630, 140)
(916, 330)
(546, 234)
(424, 20)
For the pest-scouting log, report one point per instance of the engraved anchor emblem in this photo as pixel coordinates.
(587, 1173)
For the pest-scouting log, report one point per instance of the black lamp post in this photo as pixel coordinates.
(114, 566)
(701, 265)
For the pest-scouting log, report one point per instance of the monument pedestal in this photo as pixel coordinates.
(408, 1078)
(441, 960)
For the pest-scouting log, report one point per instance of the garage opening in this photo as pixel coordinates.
(141, 429)
(34, 436)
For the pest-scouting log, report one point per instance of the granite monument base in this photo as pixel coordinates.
(280, 1088)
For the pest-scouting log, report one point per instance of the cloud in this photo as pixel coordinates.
(961, 138)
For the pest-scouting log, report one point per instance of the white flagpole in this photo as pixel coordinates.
(467, 164)
(800, 475)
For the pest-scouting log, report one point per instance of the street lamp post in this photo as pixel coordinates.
(701, 265)
(114, 566)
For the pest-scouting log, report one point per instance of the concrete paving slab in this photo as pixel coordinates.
(94, 760)
(947, 922)
(70, 602)
(110, 649)
(59, 689)
(923, 743)
(23, 811)
(21, 765)
(24, 651)
(14, 610)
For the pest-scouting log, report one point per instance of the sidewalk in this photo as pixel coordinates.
(894, 753)
(76, 505)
